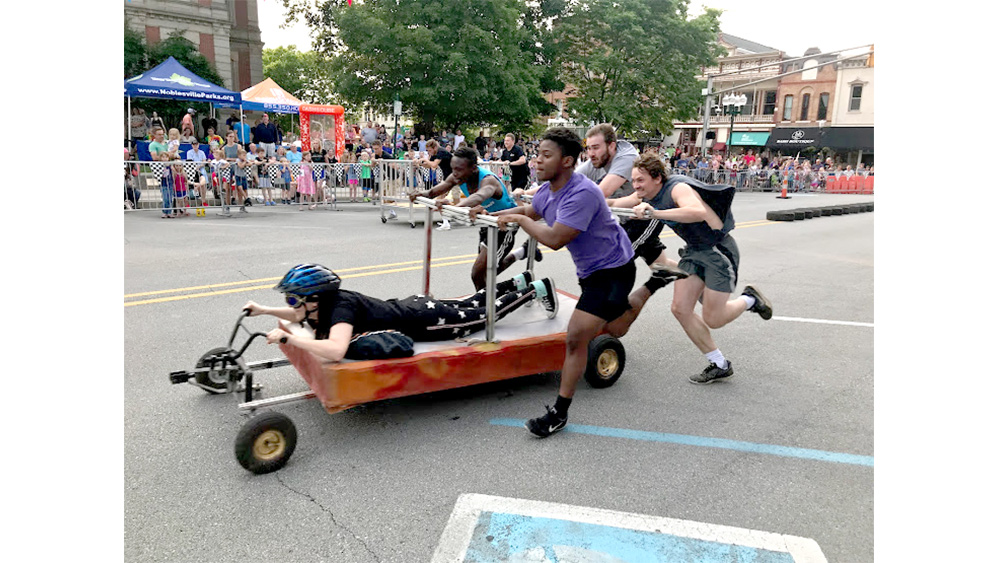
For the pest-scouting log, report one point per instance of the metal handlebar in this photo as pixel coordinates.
(460, 214)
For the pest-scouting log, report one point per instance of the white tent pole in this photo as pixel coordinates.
(242, 123)
(129, 119)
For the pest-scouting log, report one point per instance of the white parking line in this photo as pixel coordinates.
(489, 528)
(823, 321)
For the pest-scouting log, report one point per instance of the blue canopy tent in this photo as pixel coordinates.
(171, 80)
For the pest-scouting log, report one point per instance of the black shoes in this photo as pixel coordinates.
(547, 424)
(538, 251)
(667, 273)
(712, 373)
(551, 299)
(761, 305)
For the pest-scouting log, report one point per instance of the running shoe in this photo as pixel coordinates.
(538, 252)
(551, 299)
(444, 226)
(667, 273)
(547, 424)
(761, 306)
(712, 373)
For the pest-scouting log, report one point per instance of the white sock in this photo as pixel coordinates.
(716, 357)
(749, 301)
(519, 253)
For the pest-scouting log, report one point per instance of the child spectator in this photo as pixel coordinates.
(242, 164)
(180, 189)
(173, 143)
(281, 177)
(366, 175)
(221, 176)
(214, 141)
(289, 184)
(351, 172)
(306, 185)
(263, 179)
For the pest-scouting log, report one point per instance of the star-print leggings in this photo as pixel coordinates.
(445, 319)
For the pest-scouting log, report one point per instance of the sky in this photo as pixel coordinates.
(791, 28)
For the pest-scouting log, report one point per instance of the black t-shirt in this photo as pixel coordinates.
(481, 143)
(366, 314)
(445, 158)
(518, 173)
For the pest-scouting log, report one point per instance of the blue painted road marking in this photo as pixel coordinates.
(513, 537)
(751, 447)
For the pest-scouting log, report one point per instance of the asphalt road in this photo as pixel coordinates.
(378, 482)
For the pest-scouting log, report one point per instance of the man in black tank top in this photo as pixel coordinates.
(700, 214)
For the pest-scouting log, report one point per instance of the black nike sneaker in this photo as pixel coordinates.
(547, 424)
(761, 304)
(538, 252)
(667, 273)
(712, 373)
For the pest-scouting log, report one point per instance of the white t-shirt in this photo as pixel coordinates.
(458, 140)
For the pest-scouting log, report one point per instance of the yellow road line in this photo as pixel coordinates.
(441, 262)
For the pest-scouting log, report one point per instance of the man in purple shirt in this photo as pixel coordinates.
(577, 217)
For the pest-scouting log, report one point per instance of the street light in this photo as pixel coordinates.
(732, 105)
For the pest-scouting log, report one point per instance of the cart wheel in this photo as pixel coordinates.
(605, 361)
(216, 378)
(265, 442)
(413, 225)
(384, 219)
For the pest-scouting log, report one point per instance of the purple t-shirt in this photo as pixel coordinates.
(602, 242)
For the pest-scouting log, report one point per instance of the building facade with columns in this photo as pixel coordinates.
(226, 32)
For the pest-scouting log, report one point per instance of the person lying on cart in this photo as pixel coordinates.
(483, 190)
(313, 296)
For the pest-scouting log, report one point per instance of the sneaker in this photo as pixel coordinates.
(523, 280)
(712, 373)
(444, 226)
(547, 424)
(392, 214)
(667, 273)
(761, 304)
(538, 252)
(551, 299)
(244, 210)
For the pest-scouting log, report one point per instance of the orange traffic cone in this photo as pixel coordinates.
(784, 189)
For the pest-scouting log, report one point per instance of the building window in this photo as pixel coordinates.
(804, 115)
(824, 102)
(787, 115)
(770, 100)
(855, 104)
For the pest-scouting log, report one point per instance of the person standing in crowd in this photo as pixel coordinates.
(139, 124)
(156, 120)
(241, 173)
(577, 217)
(158, 147)
(214, 141)
(701, 215)
(365, 165)
(166, 185)
(295, 153)
(439, 163)
(513, 156)
(266, 135)
(263, 177)
(459, 138)
(307, 184)
(369, 134)
(482, 142)
(187, 123)
(201, 174)
(241, 129)
(351, 172)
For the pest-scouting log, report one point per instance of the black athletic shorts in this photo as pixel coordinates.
(645, 237)
(505, 240)
(605, 292)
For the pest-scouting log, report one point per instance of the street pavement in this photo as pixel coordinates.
(380, 481)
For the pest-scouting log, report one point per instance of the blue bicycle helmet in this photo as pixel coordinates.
(308, 279)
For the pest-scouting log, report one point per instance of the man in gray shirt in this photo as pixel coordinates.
(369, 134)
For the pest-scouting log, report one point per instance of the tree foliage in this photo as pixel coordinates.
(307, 76)
(634, 63)
(140, 57)
(451, 62)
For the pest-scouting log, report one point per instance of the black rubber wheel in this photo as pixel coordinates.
(605, 361)
(265, 442)
(384, 219)
(217, 378)
(413, 225)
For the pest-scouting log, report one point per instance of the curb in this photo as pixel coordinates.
(811, 212)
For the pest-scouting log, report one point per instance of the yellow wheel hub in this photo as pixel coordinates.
(607, 363)
(269, 445)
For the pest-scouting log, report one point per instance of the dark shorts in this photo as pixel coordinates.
(717, 266)
(605, 292)
(518, 182)
(505, 241)
(645, 237)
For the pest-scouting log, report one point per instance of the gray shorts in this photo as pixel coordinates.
(717, 266)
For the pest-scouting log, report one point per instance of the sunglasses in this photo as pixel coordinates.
(295, 301)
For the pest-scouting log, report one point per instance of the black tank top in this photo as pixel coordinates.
(698, 235)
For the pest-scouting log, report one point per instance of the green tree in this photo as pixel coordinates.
(140, 57)
(634, 63)
(451, 62)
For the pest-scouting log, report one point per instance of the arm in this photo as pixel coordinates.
(610, 183)
(283, 313)
(331, 349)
(630, 200)
(554, 237)
(690, 208)
(489, 188)
(443, 187)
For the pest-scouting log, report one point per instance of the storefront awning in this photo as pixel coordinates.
(749, 139)
(719, 147)
(794, 138)
(850, 138)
